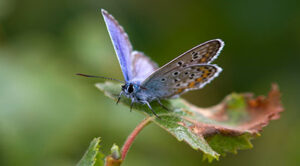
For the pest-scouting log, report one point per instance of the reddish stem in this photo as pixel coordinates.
(133, 135)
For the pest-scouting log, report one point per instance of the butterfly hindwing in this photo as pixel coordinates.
(180, 80)
(195, 77)
(130, 61)
(142, 66)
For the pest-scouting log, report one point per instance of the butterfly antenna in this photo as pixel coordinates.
(107, 78)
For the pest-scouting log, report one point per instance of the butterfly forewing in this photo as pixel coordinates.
(130, 61)
(121, 43)
(201, 54)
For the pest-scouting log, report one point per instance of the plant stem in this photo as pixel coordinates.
(133, 135)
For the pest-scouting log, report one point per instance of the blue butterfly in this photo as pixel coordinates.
(145, 82)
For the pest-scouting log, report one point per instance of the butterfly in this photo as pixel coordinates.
(145, 82)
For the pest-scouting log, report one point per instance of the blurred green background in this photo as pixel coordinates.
(48, 116)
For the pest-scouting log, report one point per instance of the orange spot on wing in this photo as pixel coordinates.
(205, 75)
(192, 84)
(206, 55)
(203, 59)
(180, 90)
(201, 68)
(206, 72)
(198, 79)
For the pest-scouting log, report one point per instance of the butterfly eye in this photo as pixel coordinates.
(130, 88)
(123, 87)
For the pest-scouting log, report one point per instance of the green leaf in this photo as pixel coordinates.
(92, 157)
(221, 129)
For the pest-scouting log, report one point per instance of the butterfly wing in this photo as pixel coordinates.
(180, 80)
(189, 71)
(128, 58)
(142, 66)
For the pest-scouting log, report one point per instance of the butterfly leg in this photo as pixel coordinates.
(164, 107)
(152, 109)
(119, 98)
(131, 105)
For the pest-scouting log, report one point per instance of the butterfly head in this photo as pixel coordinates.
(129, 89)
(135, 91)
